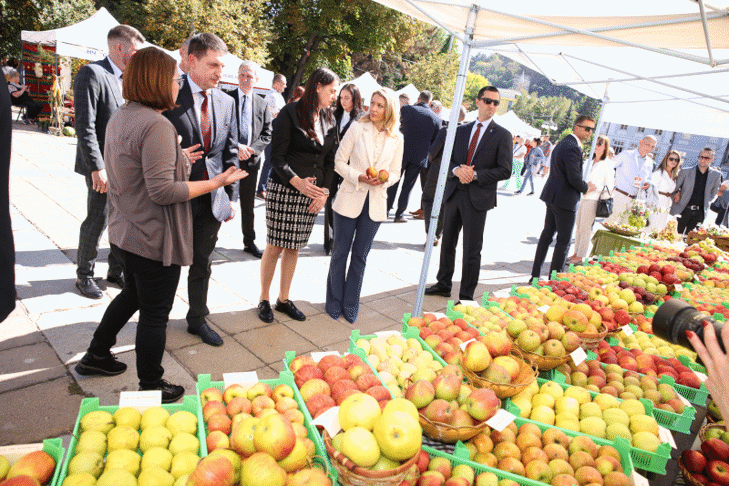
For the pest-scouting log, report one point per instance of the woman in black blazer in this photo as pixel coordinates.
(349, 110)
(302, 156)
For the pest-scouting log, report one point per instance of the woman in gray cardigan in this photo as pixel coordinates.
(150, 222)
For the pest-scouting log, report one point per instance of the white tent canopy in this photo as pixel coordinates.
(511, 122)
(411, 91)
(366, 85)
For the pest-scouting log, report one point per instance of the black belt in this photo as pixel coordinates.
(667, 194)
(623, 192)
(694, 208)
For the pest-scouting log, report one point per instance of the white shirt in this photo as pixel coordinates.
(248, 114)
(345, 119)
(519, 152)
(197, 99)
(117, 73)
(602, 174)
(662, 182)
(275, 101)
(484, 126)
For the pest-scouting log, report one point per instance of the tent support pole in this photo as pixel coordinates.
(445, 160)
(712, 63)
(598, 129)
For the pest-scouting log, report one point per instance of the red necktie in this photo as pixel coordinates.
(472, 146)
(205, 128)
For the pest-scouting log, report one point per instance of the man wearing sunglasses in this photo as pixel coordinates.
(633, 170)
(481, 157)
(695, 190)
(561, 193)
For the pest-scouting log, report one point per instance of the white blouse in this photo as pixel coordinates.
(662, 182)
(602, 174)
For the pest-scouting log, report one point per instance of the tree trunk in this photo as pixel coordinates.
(311, 45)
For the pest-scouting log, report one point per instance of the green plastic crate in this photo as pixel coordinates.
(284, 378)
(190, 403)
(54, 447)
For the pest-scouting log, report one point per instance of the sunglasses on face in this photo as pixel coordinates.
(600, 143)
(673, 159)
(489, 101)
(586, 128)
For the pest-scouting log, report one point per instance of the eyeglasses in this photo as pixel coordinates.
(673, 159)
(600, 143)
(179, 81)
(489, 101)
(589, 129)
(704, 157)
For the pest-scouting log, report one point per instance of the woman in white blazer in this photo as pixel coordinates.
(360, 206)
(663, 183)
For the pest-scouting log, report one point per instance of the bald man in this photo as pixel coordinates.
(633, 169)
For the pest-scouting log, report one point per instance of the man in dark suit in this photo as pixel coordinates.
(561, 193)
(97, 92)
(7, 246)
(419, 126)
(481, 158)
(254, 134)
(205, 119)
(695, 189)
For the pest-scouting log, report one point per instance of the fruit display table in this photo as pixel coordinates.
(604, 241)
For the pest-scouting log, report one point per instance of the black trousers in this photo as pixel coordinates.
(560, 221)
(204, 237)
(427, 206)
(32, 107)
(459, 214)
(247, 193)
(150, 289)
(689, 220)
(408, 176)
(97, 216)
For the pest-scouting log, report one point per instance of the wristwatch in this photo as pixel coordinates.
(325, 191)
(475, 176)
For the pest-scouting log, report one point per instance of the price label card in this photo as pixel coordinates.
(141, 400)
(543, 309)
(329, 420)
(500, 420)
(317, 356)
(685, 402)
(678, 287)
(578, 356)
(502, 294)
(666, 436)
(463, 345)
(639, 480)
(383, 334)
(472, 303)
(438, 315)
(627, 330)
(701, 376)
(246, 379)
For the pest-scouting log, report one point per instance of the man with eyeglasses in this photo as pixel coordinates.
(695, 190)
(633, 170)
(561, 193)
(481, 157)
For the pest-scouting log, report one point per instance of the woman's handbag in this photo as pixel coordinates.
(604, 206)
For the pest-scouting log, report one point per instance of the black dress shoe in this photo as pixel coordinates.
(100, 365)
(253, 250)
(207, 335)
(400, 219)
(116, 280)
(88, 288)
(531, 193)
(290, 309)
(170, 393)
(438, 290)
(264, 311)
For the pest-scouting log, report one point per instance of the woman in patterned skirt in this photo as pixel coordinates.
(302, 156)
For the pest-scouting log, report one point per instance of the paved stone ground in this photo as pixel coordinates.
(52, 325)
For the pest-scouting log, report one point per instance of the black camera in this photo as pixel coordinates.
(674, 317)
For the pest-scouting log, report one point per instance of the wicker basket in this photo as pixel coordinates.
(722, 242)
(542, 363)
(590, 341)
(714, 425)
(352, 475)
(528, 372)
(686, 474)
(447, 433)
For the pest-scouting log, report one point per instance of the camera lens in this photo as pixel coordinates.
(674, 317)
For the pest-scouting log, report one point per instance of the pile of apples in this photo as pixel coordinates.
(375, 438)
(448, 400)
(651, 344)
(130, 448)
(663, 273)
(636, 361)
(443, 335)
(489, 357)
(603, 416)
(398, 360)
(440, 471)
(33, 469)
(329, 382)
(550, 339)
(485, 319)
(549, 456)
(524, 307)
(256, 428)
(708, 466)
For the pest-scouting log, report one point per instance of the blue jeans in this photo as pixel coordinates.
(265, 169)
(355, 235)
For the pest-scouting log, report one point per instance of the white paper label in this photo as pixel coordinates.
(502, 294)
(329, 420)
(438, 315)
(666, 436)
(141, 400)
(543, 309)
(702, 377)
(472, 303)
(382, 334)
(246, 379)
(13, 453)
(578, 356)
(627, 330)
(678, 287)
(685, 402)
(317, 356)
(500, 420)
(639, 480)
(463, 345)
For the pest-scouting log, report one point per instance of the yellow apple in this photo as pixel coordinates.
(399, 435)
(359, 410)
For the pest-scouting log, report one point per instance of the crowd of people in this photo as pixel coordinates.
(168, 157)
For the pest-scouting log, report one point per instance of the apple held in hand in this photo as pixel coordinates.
(383, 175)
(371, 172)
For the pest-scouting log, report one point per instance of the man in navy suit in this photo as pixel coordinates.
(561, 194)
(97, 92)
(254, 135)
(419, 126)
(205, 119)
(481, 158)
(7, 246)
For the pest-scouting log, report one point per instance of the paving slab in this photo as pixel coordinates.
(29, 365)
(270, 343)
(19, 330)
(231, 357)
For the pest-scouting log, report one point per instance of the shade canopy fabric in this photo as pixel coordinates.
(366, 85)
(511, 122)
(411, 91)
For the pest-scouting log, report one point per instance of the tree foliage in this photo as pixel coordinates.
(436, 73)
(474, 83)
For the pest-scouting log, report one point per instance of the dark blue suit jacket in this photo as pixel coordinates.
(564, 185)
(419, 126)
(492, 162)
